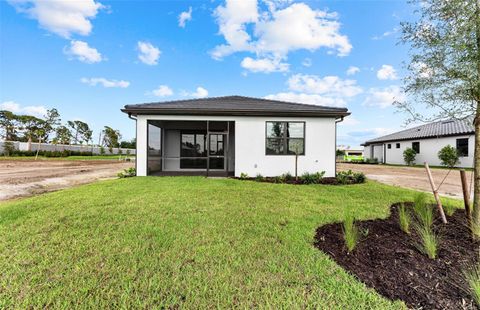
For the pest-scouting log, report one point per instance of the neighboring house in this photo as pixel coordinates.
(427, 140)
(233, 135)
(351, 153)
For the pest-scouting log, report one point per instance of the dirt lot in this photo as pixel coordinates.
(22, 178)
(411, 177)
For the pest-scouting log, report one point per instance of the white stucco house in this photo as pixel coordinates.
(233, 135)
(427, 140)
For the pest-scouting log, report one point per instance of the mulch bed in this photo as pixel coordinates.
(325, 181)
(387, 260)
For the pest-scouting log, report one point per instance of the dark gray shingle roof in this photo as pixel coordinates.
(431, 130)
(234, 105)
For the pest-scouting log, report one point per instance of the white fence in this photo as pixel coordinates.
(33, 146)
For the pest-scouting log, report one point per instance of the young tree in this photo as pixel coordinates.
(33, 128)
(448, 156)
(52, 121)
(81, 131)
(445, 68)
(8, 125)
(409, 156)
(111, 137)
(63, 135)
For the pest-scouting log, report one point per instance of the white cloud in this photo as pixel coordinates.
(307, 62)
(148, 54)
(386, 34)
(184, 17)
(265, 65)
(38, 111)
(162, 91)
(331, 85)
(308, 99)
(105, 82)
(83, 52)
(200, 93)
(312, 89)
(278, 31)
(63, 18)
(352, 70)
(383, 97)
(387, 72)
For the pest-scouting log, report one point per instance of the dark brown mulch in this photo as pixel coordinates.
(387, 260)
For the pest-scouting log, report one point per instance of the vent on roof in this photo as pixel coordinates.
(447, 122)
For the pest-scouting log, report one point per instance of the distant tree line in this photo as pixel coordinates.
(49, 128)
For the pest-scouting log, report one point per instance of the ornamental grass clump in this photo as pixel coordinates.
(423, 212)
(473, 279)
(404, 219)
(428, 241)
(351, 233)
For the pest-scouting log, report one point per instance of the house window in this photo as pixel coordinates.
(389, 146)
(193, 150)
(416, 147)
(285, 138)
(398, 145)
(462, 147)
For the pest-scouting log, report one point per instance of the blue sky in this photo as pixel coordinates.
(89, 58)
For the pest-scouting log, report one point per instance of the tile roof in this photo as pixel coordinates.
(234, 105)
(437, 129)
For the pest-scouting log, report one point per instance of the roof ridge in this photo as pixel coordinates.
(240, 96)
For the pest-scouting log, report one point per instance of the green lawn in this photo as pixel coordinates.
(189, 242)
(94, 157)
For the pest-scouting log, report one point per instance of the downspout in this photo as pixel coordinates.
(136, 140)
(338, 120)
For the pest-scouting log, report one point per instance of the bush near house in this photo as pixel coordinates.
(448, 156)
(409, 156)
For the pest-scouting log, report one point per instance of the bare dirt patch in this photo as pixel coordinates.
(388, 261)
(411, 177)
(22, 178)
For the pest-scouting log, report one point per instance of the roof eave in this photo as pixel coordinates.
(303, 113)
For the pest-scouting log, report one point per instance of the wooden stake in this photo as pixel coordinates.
(466, 196)
(435, 194)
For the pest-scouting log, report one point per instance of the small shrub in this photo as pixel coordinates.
(287, 176)
(404, 219)
(119, 152)
(243, 176)
(409, 156)
(342, 177)
(428, 241)
(127, 173)
(448, 156)
(128, 152)
(102, 150)
(473, 279)
(259, 178)
(350, 177)
(351, 233)
(359, 177)
(312, 178)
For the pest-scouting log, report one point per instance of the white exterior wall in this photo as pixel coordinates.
(429, 149)
(249, 142)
